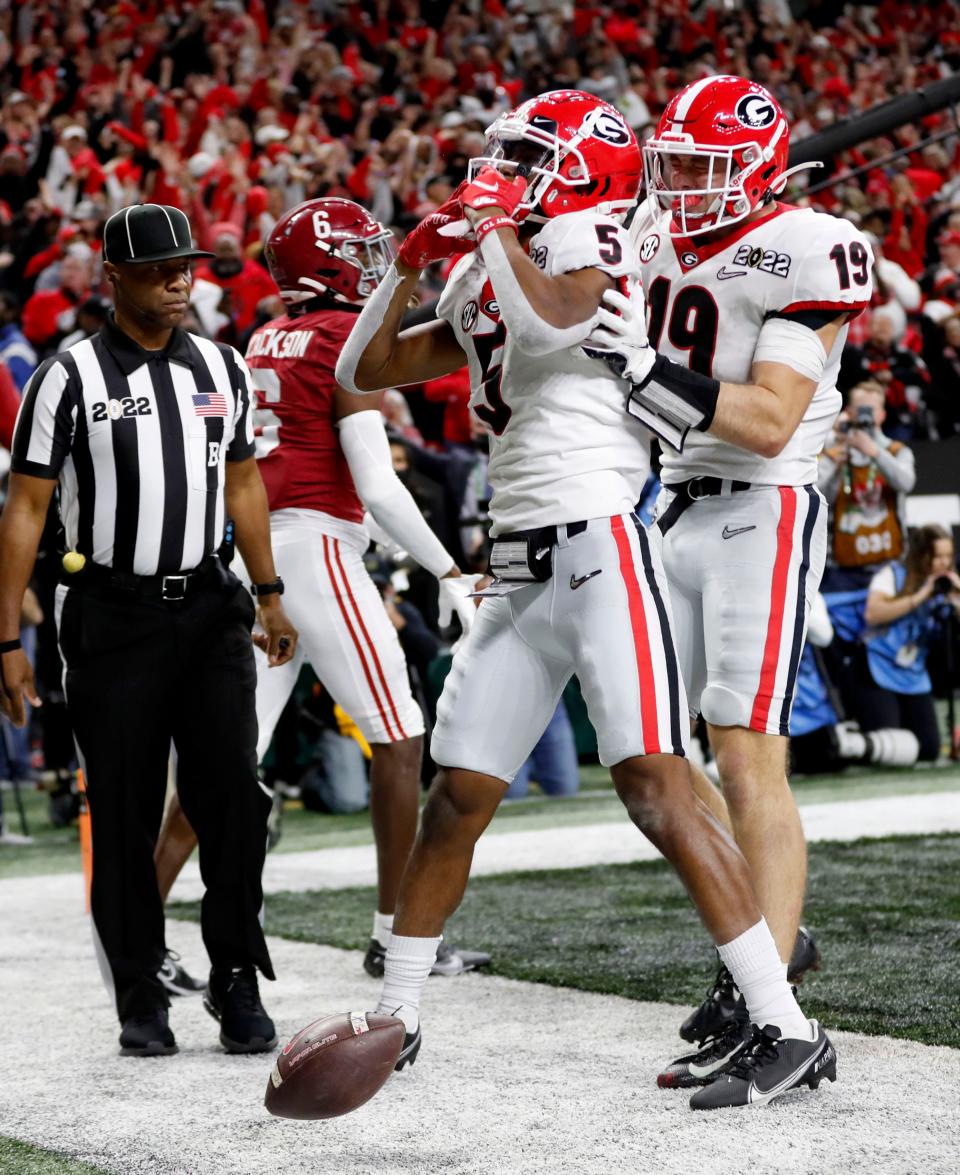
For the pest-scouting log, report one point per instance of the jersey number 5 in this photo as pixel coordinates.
(495, 412)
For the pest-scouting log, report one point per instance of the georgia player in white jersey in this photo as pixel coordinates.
(747, 304)
(323, 455)
(580, 587)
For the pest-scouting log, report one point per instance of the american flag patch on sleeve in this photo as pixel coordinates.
(209, 403)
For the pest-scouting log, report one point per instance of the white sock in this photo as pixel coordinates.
(757, 970)
(382, 928)
(405, 972)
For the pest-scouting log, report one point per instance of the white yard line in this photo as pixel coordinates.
(513, 1079)
(593, 844)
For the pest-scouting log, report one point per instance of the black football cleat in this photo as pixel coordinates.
(724, 1005)
(768, 1066)
(450, 960)
(175, 977)
(374, 959)
(233, 998)
(805, 957)
(147, 1035)
(724, 1002)
(701, 1067)
(411, 1046)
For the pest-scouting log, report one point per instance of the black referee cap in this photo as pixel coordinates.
(148, 232)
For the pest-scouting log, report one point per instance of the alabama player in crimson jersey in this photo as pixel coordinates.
(579, 585)
(735, 366)
(324, 458)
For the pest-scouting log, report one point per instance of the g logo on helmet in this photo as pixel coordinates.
(606, 126)
(756, 111)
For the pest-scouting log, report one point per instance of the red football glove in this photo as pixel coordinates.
(438, 236)
(491, 189)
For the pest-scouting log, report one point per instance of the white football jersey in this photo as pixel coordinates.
(707, 301)
(562, 447)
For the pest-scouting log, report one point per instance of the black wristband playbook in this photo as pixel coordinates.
(273, 588)
(699, 391)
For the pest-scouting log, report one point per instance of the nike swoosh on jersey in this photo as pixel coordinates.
(575, 583)
(729, 534)
(723, 273)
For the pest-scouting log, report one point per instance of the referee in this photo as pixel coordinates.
(149, 431)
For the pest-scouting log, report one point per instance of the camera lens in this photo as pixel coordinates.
(942, 585)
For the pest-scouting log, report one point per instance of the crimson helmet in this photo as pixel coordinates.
(577, 151)
(738, 132)
(328, 245)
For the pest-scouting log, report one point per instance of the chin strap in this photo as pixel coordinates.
(776, 188)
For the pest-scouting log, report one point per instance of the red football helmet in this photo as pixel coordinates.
(719, 151)
(328, 245)
(577, 150)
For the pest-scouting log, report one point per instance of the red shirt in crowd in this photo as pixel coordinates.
(250, 286)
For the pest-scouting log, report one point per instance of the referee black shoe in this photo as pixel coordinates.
(147, 1035)
(233, 998)
(769, 1066)
(702, 1067)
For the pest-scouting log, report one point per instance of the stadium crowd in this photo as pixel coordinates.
(235, 112)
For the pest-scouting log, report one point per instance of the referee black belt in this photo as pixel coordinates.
(688, 492)
(171, 588)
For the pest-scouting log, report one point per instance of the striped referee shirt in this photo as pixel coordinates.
(138, 440)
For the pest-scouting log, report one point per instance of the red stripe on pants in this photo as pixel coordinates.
(641, 639)
(370, 645)
(353, 636)
(778, 597)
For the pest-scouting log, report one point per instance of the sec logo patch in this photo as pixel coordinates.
(468, 316)
(649, 247)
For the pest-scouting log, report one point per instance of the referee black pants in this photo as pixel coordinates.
(139, 673)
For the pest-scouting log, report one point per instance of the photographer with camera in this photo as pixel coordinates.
(865, 478)
(909, 605)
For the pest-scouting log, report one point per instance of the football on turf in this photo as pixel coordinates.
(334, 1065)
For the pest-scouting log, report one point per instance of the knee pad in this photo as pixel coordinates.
(720, 706)
(892, 747)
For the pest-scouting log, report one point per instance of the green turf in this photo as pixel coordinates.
(19, 1158)
(887, 913)
(58, 850)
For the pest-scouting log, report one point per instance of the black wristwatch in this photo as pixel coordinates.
(273, 588)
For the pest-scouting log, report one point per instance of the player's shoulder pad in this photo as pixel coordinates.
(831, 264)
(584, 240)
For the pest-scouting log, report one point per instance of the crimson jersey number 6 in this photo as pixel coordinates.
(495, 412)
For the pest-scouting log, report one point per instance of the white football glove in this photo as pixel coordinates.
(620, 339)
(455, 597)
